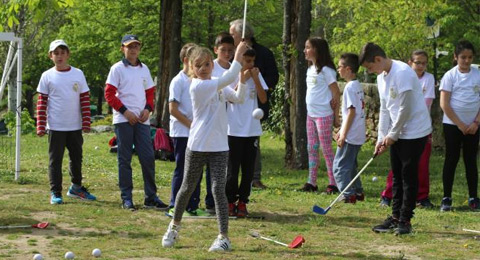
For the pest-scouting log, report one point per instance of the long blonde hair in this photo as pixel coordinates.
(198, 53)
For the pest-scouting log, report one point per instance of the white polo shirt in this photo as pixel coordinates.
(353, 96)
(131, 83)
(318, 93)
(465, 94)
(63, 89)
(180, 93)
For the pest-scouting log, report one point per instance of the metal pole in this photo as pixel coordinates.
(19, 108)
(435, 62)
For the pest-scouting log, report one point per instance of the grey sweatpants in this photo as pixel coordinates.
(194, 162)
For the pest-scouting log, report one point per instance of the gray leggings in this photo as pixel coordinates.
(194, 162)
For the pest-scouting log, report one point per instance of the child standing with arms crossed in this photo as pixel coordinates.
(404, 126)
(130, 92)
(208, 141)
(64, 106)
(352, 133)
(323, 99)
(460, 102)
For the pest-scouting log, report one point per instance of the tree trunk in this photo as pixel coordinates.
(169, 63)
(297, 21)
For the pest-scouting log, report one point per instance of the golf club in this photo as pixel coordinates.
(471, 230)
(296, 243)
(322, 211)
(244, 20)
(41, 225)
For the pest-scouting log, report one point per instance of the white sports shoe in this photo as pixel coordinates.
(221, 243)
(171, 235)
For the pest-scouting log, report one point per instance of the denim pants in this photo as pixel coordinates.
(137, 135)
(345, 168)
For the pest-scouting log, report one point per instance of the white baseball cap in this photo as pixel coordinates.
(55, 44)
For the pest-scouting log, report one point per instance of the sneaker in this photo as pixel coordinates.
(56, 198)
(404, 227)
(388, 225)
(385, 202)
(446, 204)
(474, 204)
(81, 193)
(171, 211)
(331, 189)
(128, 204)
(425, 203)
(156, 204)
(258, 184)
(242, 209)
(350, 199)
(360, 196)
(221, 243)
(196, 213)
(307, 187)
(210, 210)
(232, 209)
(171, 236)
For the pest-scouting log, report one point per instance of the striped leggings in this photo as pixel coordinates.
(194, 163)
(319, 131)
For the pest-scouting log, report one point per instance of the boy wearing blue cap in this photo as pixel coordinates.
(130, 92)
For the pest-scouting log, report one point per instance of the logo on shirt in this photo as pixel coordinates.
(393, 93)
(476, 89)
(75, 87)
(253, 93)
(145, 83)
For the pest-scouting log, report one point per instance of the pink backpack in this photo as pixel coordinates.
(162, 142)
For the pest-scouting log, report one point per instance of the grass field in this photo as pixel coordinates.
(344, 233)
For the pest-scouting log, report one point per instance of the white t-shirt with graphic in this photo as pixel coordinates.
(318, 93)
(465, 94)
(240, 120)
(428, 85)
(402, 78)
(131, 83)
(353, 97)
(63, 89)
(180, 93)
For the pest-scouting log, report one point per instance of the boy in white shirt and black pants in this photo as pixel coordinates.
(404, 128)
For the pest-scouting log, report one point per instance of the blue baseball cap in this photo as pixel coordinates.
(129, 38)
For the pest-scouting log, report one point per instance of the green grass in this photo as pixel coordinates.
(344, 233)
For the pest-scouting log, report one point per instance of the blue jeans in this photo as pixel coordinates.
(138, 135)
(345, 168)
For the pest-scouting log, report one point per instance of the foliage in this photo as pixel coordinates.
(27, 123)
(275, 122)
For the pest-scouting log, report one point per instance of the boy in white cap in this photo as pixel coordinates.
(63, 107)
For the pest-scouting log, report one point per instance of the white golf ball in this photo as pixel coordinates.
(374, 178)
(257, 113)
(96, 147)
(96, 252)
(69, 255)
(38, 257)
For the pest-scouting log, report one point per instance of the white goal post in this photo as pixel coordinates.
(9, 63)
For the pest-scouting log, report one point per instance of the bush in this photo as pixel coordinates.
(276, 122)
(28, 124)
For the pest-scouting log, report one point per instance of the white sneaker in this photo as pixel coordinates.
(171, 235)
(221, 243)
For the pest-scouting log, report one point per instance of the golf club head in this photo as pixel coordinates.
(319, 210)
(41, 225)
(297, 242)
(254, 234)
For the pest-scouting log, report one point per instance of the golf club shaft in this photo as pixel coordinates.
(9, 227)
(274, 241)
(352, 181)
(471, 230)
(244, 20)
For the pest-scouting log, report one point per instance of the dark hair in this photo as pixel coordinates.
(322, 53)
(350, 60)
(250, 53)
(463, 45)
(417, 53)
(370, 51)
(224, 37)
(186, 50)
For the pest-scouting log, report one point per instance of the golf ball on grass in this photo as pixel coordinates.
(96, 147)
(257, 113)
(69, 255)
(96, 252)
(38, 257)
(375, 178)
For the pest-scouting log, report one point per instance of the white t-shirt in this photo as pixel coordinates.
(318, 93)
(240, 120)
(218, 70)
(63, 89)
(428, 85)
(180, 93)
(402, 78)
(131, 83)
(353, 96)
(465, 94)
(208, 132)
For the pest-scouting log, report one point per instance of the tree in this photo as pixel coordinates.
(296, 29)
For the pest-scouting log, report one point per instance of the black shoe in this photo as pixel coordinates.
(258, 184)
(156, 204)
(385, 202)
(388, 225)
(446, 204)
(404, 227)
(474, 204)
(332, 189)
(307, 187)
(425, 203)
(128, 204)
